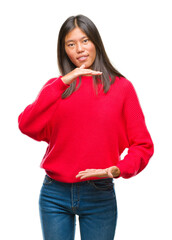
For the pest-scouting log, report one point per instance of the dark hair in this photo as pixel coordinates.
(101, 63)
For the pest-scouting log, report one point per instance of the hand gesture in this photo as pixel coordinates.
(81, 71)
(110, 172)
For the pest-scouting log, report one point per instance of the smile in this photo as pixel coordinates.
(82, 58)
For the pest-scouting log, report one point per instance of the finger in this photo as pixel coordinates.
(87, 170)
(79, 175)
(86, 177)
(82, 172)
(82, 176)
(82, 66)
(96, 73)
(89, 71)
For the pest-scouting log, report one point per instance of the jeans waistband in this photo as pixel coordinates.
(84, 182)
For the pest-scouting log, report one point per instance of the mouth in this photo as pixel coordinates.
(82, 58)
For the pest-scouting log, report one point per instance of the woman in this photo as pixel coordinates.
(88, 116)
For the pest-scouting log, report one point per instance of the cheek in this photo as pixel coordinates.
(70, 55)
(92, 51)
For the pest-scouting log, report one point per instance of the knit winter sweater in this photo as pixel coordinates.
(88, 131)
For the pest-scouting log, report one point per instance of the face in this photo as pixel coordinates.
(79, 48)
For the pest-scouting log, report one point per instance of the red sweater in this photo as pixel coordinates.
(86, 130)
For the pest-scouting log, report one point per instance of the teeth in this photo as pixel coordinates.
(82, 58)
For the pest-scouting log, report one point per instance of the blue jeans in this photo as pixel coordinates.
(94, 201)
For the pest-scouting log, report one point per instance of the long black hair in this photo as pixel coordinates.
(101, 63)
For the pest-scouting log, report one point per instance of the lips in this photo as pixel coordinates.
(82, 58)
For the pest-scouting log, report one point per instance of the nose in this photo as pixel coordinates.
(79, 48)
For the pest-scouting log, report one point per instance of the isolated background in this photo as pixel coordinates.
(137, 38)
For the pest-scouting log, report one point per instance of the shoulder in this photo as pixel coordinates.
(124, 84)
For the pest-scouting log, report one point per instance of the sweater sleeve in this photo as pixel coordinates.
(140, 145)
(33, 120)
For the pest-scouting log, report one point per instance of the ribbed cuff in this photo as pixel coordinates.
(63, 86)
(121, 167)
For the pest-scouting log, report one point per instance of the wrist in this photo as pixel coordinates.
(65, 80)
(69, 77)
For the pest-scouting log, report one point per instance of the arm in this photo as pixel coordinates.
(139, 140)
(33, 120)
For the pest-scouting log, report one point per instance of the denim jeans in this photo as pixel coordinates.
(94, 201)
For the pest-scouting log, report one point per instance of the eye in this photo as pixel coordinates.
(70, 45)
(85, 40)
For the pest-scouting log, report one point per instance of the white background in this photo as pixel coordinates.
(137, 38)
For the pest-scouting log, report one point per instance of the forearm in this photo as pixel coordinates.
(33, 120)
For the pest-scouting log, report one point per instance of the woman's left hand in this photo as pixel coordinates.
(111, 172)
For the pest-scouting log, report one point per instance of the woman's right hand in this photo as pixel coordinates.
(81, 71)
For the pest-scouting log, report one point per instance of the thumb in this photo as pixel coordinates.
(110, 174)
(82, 66)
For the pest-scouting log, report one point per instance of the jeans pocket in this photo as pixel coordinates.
(103, 184)
(47, 180)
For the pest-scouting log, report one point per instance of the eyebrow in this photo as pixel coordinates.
(74, 40)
